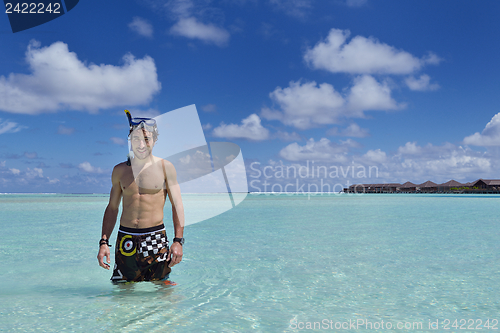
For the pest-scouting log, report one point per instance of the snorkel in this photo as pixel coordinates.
(129, 117)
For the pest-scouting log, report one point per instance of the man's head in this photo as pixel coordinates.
(142, 142)
(143, 135)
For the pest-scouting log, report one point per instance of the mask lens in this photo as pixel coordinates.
(146, 121)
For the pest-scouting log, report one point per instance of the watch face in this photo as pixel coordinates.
(179, 240)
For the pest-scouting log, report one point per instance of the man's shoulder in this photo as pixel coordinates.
(167, 167)
(121, 167)
(167, 163)
(119, 171)
(163, 161)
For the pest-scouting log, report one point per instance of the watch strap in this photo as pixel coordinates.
(103, 241)
(179, 240)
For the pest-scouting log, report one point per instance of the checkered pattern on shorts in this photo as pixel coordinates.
(152, 243)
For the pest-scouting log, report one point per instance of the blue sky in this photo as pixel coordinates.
(407, 87)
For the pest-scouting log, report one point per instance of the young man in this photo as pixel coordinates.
(142, 184)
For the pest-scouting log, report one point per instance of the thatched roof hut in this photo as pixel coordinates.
(408, 187)
(451, 183)
(427, 186)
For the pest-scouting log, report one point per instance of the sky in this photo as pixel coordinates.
(404, 89)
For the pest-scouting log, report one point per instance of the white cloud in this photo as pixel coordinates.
(65, 130)
(410, 148)
(362, 56)
(410, 163)
(209, 108)
(421, 84)
(191, 28)
(250, 128)
(31, 156)
(490, 136)
(428, 152)
(458, 164)
(35, 173)
(53, 180)
(306, 105)
(30, 179)
(15, 171)
(368, 94)
(87, 167)
(322, 150)
(376, 156)
(353, 130)
(207, 126)
(149, 113)
(439, 163)
(286, 136)
(59, 80)
(7, 126)
(118, 141)
(431, 59)
(350, 143)
(141, 26)
(180, 8)
(420, 163)
(193, 20)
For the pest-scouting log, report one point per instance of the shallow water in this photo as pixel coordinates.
(272, 264)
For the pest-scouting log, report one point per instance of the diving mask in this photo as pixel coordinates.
(149, 124)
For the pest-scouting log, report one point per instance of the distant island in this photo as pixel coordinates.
(452, 186)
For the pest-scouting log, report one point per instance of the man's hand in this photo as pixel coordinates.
(175, 254)
(104, 252)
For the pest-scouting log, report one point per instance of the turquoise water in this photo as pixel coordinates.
(272, 264)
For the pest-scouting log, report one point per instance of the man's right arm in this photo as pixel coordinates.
(109, 220)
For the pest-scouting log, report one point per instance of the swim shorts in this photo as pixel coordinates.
(141, 255)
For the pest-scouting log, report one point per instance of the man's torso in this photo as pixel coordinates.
(144, 193)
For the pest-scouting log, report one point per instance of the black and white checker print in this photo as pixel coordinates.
(152, 244)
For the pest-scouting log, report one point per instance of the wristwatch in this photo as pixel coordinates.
(179, 240)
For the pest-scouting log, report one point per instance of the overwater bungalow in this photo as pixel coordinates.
(373, 188)
(487, 184)
(451, 186)
(427, 187)
(408, 187)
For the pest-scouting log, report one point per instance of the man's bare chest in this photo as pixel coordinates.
(147, 180)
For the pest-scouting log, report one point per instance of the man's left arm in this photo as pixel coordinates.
(174, 195)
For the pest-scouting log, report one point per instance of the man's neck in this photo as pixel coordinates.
(142, 163)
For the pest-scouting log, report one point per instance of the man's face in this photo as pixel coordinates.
(142, 143)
